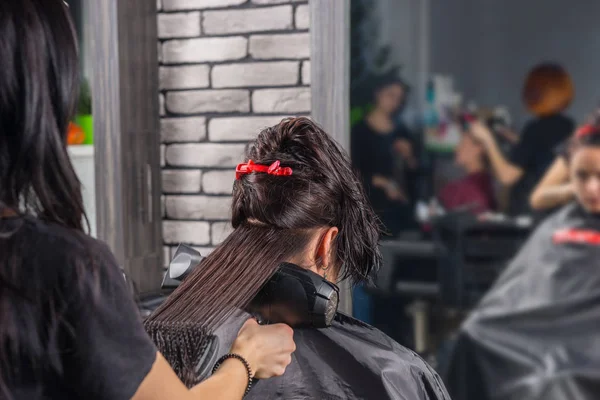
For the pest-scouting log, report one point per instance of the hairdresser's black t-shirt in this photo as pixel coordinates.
(534, 154)
(81, 332)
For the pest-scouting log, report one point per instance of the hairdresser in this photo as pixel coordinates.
(69, 328)
(547, 92)
(379, 146)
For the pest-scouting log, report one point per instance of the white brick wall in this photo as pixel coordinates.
(276, 1)
(288, 46)
(248, 20)
(204, 155)
(183, 129)
(181, 181)
(179, 25)
(185, 77)
(218, 182)
(306, 73)
(228, 68)
(284, 73)
(208, 101)
(204, 50)
(198, 207)
(281, 100)
(170, 5)
(192, 232)
(302, 17)
(239, 128)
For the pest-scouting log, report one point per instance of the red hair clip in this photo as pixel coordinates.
(586, 130)
(273, 169)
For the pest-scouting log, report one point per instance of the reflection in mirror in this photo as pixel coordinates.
(457, 109)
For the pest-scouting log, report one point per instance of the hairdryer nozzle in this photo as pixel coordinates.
(183, 263)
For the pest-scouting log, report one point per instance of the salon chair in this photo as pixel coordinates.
(472, 253)
(409, 271)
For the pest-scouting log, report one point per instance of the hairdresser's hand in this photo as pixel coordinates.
(267, 348)
(508, 134)
(404, 147)
(379, 181)
(394, 193)
(391, 189)
(481, 133)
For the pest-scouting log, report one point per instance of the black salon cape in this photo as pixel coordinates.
(536, 334)
(349, 360)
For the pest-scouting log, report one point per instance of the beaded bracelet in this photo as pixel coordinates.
(243, 361)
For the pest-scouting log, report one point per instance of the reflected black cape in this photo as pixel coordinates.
(536, 334)
(349, 360)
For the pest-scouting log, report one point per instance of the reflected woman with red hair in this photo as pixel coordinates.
(547, 92)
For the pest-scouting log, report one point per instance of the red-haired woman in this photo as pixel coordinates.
(547, 92)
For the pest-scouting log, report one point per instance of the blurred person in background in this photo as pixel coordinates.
(475, 191)
(69, 327)
(547, 92)
(382, 152)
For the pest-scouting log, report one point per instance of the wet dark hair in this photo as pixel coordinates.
(39, 75)
(274, 218)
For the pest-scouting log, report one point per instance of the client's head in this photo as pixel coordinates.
(584, 166)
(318, 216)
(310, 210)
(470, 153)
(296, 199)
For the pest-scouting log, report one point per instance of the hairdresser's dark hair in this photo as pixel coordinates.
(39, 74)
(390, 80)
(386, 81)
(274, 219)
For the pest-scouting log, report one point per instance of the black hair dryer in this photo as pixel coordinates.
(294, 295)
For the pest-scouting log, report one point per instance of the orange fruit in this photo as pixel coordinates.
(76, 135)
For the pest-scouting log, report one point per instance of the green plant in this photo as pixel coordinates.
(358, 113)
(84, 106)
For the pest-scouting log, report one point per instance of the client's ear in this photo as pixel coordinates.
(326, 255)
